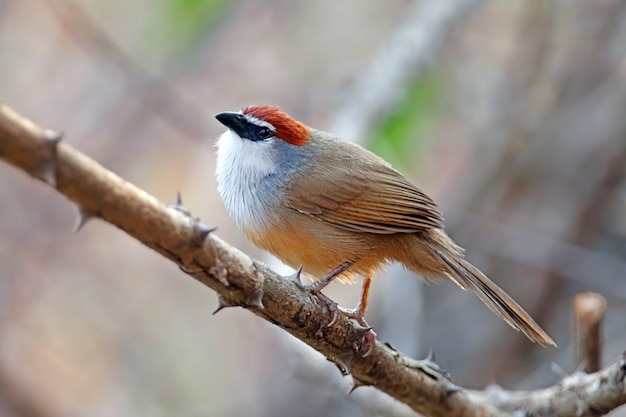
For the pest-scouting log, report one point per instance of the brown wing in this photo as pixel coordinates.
(375, 200)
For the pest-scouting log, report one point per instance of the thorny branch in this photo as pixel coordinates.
(241, 281)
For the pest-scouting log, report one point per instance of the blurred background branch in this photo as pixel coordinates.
(515, 125)
(406, 55)
(589, 309)
(151, 91)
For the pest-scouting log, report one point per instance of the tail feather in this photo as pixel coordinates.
(467, 276)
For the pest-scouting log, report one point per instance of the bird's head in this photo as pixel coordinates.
(261, 143)
(263, 124)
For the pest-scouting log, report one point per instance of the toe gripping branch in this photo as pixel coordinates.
(316, 288)
(364, 335)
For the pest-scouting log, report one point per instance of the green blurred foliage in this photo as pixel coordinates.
(398, 138)
(182, 24)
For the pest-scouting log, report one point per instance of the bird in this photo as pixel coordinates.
(334, 210)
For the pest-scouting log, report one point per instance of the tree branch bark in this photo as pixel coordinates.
(241, 281)
(589, 310)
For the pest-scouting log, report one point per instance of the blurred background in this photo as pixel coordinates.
(511, 114)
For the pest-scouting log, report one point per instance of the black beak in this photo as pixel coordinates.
(235, 122)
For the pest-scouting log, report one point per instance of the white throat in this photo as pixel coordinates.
(241, 168)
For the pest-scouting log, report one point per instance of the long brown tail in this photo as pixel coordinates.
(468, 276)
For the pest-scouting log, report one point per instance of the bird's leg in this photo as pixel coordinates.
(317, 287)
(359, 312)
(362, 306)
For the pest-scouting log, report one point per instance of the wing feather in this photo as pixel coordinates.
(382, 202)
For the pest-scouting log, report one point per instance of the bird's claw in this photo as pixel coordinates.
(333, 308)
(364, 330)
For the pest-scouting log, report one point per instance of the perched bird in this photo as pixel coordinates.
(339, 211)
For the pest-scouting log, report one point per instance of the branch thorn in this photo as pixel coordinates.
(390, 346)
(203, 231)
(343, 362)
(452, 388)
(357, 383)
(179, 207)
(256, 299)
(52, 137)
(431, 357)
(83, 216)
(222, 303)
(296, 276)
(47, 171)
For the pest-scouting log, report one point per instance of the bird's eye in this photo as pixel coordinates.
(264, 133)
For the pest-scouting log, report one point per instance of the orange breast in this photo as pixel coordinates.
(318, 247)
